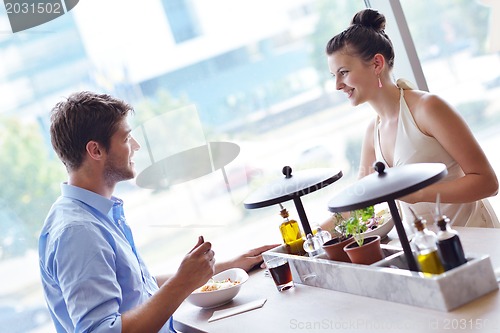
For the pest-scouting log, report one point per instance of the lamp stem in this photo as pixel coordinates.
(403, 239)
(302, 215)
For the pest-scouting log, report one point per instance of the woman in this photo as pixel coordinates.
(411, 126)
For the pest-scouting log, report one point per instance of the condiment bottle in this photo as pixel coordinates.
(290, 232)
(322, 235)
(424, 243)
(313, 246)
(449, 245)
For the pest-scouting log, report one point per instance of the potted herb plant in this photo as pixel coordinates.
(334, 248)
(362, 250)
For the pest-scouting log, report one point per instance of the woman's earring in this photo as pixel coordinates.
(379, 82)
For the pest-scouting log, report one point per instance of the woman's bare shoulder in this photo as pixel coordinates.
(429, 110)
(423, 101)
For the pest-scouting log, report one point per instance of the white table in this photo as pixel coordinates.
(310, 309)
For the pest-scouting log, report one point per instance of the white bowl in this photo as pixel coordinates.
(210, 299)
(381, 230)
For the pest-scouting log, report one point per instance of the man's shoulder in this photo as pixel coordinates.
(65, 208)
(67, 213)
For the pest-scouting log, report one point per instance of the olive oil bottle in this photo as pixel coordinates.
(291, 234)
(424, 244)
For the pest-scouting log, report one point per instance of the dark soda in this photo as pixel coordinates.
(281, 274)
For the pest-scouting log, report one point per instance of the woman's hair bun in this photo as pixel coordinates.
(369, 18)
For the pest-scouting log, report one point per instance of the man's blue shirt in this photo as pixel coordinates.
(90, 269)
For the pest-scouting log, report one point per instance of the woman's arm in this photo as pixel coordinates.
(436, 118)
(246, 261)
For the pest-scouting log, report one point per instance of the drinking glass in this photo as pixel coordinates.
(281, 273)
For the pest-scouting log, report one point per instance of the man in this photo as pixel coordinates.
(93, 278)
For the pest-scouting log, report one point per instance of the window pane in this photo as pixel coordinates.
(249, 73)
(208, 79)
(459, 50)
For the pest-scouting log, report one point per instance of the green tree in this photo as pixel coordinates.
(29, 178)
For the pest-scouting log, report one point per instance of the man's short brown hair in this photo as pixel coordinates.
(84, 116)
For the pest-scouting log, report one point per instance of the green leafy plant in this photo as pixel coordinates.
(339, 227)
(355, 225)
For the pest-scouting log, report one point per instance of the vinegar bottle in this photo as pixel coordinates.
(424, 243)
(290, 232)
(449, 245)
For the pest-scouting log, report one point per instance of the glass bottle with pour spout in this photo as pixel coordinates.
(323, 236)
(312, 245)
(291, 234)
(449, 246)
(424, 244)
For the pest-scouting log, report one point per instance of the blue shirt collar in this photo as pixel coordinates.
(100, 203)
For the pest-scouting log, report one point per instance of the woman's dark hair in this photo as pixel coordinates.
(365, 37)
(82, 117)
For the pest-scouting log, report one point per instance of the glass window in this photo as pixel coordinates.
(253, 75)
(182, 19)
(460, 56)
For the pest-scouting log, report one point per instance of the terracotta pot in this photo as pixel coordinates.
(367, 254)
(335, 249)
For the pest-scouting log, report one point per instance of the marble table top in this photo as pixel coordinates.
(311, 309)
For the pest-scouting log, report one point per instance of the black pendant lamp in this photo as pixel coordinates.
(386, 185)
(292, 187)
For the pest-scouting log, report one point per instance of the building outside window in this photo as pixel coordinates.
(182, 19)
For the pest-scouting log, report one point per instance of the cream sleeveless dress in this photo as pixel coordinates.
(412, 146)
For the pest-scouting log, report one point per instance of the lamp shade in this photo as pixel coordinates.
(291, 186)
(386, 184)
(188, 164)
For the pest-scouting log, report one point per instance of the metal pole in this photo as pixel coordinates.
(302, 215)
(412, 264)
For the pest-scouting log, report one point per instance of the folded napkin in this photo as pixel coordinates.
(237, 309)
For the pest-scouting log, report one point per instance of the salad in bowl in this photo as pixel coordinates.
(220, 289)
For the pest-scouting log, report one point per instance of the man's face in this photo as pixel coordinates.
(119, 164)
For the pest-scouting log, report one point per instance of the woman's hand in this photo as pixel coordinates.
(246, 260)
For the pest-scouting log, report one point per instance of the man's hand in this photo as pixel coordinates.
(197, 267)
(247, 260)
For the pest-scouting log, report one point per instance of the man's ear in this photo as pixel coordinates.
(379, 62)
(94, 150)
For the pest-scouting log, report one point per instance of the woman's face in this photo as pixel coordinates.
(353, 76)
